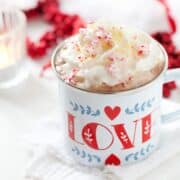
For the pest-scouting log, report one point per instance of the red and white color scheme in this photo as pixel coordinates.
(113, 129)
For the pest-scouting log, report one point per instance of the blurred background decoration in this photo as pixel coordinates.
(160, 18)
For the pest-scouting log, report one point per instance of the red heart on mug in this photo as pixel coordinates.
(112, 113)
(112, 160)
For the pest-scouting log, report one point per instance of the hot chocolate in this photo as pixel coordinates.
(107, 58)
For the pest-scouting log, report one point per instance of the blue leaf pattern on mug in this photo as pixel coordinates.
(140, 107)
(137, 155)
(84, 110)
(136, 107)
(86, 156)
(128, 111)
(88, 110)
(97, 113)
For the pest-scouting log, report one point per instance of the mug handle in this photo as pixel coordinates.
(171, 75)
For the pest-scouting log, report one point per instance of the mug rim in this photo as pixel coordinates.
(58, 48)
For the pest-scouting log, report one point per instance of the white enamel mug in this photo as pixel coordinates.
(114, 129)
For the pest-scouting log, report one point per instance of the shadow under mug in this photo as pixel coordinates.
(114, 129)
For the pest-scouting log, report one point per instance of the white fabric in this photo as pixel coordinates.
(50, 160)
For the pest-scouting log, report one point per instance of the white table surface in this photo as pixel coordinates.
(21, 108)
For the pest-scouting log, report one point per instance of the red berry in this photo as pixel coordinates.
(166, 92)
(170, 48)
(166, 37)
(41, 49)
(58, 18)
(170, 85)
(64, 25)
(174, 58)
(49, 38)
(59, 32)
(32, 13)
(48, 17)
(157, 36)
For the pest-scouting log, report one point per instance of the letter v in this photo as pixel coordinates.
(123, 135)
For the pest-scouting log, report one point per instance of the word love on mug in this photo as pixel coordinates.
(92, 132)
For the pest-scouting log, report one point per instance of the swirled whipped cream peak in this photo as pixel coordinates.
(109, 58)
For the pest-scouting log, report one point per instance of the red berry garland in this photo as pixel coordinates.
(165, 38)
(64, 25)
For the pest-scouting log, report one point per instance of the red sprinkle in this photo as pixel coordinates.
(140, 52)
(109, 69)
(122, 59)
(99, 37)
(111, 59)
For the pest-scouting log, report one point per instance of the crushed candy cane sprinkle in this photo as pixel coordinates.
(107, 54)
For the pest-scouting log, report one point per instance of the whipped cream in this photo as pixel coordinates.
(106, 54)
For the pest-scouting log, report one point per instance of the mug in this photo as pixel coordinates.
(114, 129)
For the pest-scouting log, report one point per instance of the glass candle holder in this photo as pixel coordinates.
(12, 47)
